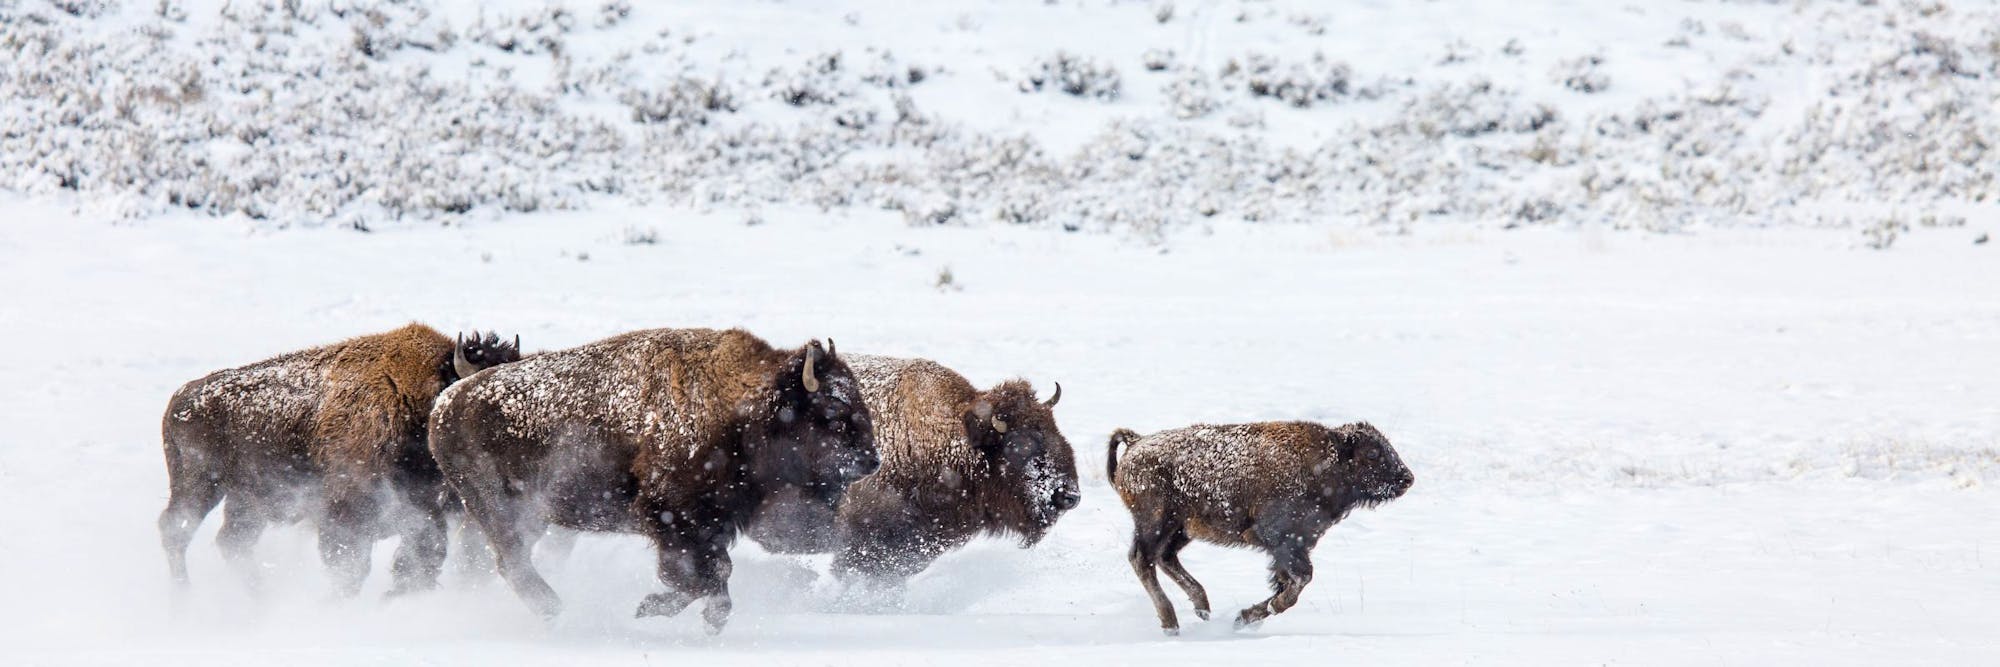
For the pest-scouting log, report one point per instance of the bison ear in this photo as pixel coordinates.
(1344, 441)
(983, 430)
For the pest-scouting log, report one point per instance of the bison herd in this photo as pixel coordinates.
(692, 436)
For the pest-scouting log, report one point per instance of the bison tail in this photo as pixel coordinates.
(1123, 436)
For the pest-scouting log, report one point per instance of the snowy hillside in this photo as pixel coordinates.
(1605, 273)
(1092, 114)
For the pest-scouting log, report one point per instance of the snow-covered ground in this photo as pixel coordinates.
(1736, 447)
(1686, 315)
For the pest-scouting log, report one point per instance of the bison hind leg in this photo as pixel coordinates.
(193, 495)
(243, 520)
(1170, 560)
(1147, 543)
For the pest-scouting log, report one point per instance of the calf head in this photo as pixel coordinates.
(1366, 469)
(818, 436)
(1017, 441)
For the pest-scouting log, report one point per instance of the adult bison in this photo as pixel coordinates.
(334, 432)
(957, 462)
(676, 434)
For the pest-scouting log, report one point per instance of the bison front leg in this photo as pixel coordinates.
(421, 554)
(694, 565)
(347, 532)
(1291, 570)
(881, 549)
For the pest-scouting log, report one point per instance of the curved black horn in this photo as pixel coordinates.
(1054, 397)
(829, 348)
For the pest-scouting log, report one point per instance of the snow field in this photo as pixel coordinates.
(1734, 447)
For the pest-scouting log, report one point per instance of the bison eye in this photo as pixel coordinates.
(1374, 453)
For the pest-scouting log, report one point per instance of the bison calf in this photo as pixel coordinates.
(956, 462)
(676, 434)
(1273, 486)
(334, 431)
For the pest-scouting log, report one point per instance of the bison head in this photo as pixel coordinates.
(475, 354)
(1368, 471)
(818, 436)
(1018, 443)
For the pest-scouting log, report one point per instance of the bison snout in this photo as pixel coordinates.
(1404, 483)
(1065, 500)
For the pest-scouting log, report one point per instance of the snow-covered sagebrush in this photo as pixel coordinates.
(360, 112)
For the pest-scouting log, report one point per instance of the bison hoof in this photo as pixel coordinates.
(1248, 621)
(715, 614)
(404, 590)
(661, 604)
(1201, 614)
(1171, 632)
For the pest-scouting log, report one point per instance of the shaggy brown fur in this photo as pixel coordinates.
(337, 431)
(948, 474)
(677, 434)
(1273, 486)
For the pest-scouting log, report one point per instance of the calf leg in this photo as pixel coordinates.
(1147, 544)
(1291, 570)
(1170, 560)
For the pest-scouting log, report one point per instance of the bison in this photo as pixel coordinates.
(956, 462)
(1272, 486)
(334, 432)
(675, 434)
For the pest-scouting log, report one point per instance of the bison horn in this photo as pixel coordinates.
(999, 425)
(829, 348)
(458, 362)
(811, 382)
(517, 342)
(1054, 397)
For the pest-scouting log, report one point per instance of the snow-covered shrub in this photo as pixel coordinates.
(678, 101)
(1072, 74)
(1298, 84)
(1472, 109)
(1581, 74)
(818, 81)
(1190, 95)
(360, 112)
